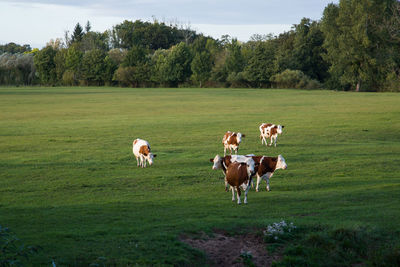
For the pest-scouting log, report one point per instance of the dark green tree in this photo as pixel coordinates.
(94, 67)
(174, 68)
(260, 66)
(78, 34)
(45, 65)
(353, 40)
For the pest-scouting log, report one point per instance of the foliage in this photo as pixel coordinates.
(94, 67)
(45, 65)
(17, 69)
(78, 34)
(294, 79)
(355, 46)
(154, 35)
(260, 66)
(14, 48)
(174, 67)
(317, 246)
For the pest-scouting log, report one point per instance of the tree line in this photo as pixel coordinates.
(354, 46)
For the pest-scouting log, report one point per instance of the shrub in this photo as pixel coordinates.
(294, 79)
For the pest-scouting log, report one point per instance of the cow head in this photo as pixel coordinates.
(251, 170)
(150, 158)
(217, 160)
(280, 127)
(281, 164)
(239, 137)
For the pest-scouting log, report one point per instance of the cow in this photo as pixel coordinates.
(238, 174)
(141, 150)
(266, 166)
(222, 163)
(231, 140)
(269, 130)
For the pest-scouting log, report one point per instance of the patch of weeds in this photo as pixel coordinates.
(12, 251)
(247, 258)
(319, 246)
(279, 232)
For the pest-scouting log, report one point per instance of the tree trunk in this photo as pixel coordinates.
(358, 86)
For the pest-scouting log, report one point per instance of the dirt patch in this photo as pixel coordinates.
(224, 250)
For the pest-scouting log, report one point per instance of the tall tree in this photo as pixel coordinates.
(175, 66)
(260, 66)
(78, 34)
(353, 42)
(45, 65)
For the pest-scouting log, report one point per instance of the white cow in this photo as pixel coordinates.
(142, 152)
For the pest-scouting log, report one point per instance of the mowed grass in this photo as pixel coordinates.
(69, 181)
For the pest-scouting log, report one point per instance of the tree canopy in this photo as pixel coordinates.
(355, 46)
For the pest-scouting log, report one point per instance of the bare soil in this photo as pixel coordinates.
(224, 250)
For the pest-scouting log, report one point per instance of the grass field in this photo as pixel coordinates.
(69, 181)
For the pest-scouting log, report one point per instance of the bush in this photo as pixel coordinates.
(68, 78)
(294, 79)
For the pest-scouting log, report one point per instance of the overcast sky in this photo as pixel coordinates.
(36, 22)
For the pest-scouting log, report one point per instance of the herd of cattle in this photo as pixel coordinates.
(238, 170)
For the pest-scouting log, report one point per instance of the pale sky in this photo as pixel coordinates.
(36, 22)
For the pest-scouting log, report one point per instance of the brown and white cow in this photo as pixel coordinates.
(269, 130)
(267, 166)
(264, 166)
(231, 140)
(141, 150)
(222, 163)
(238, 175)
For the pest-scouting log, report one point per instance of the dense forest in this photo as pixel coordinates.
(354, 46)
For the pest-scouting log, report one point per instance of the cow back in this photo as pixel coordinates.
(267, 164)
(236, 174)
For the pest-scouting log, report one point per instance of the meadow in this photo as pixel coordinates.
(69, 181)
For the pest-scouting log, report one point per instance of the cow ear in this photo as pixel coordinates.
(154, 155)
(211, 160)
(243, 135)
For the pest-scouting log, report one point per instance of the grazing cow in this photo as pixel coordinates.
(142, 152)
(267, 166)
(238, 174)
(268, 130)
(222, 163)
(231, 140)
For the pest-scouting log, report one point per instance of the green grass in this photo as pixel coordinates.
(69, 181)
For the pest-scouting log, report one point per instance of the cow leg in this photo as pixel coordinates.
(238, 194)
(137, 161)
(226, 184)
(267, 183)
(258, 181)
(245, 192)
(143, 162)
(233, 193)
(265, 140)
(270, 144)
(276, 137)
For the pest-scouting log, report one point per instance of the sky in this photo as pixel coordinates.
(35, 22)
